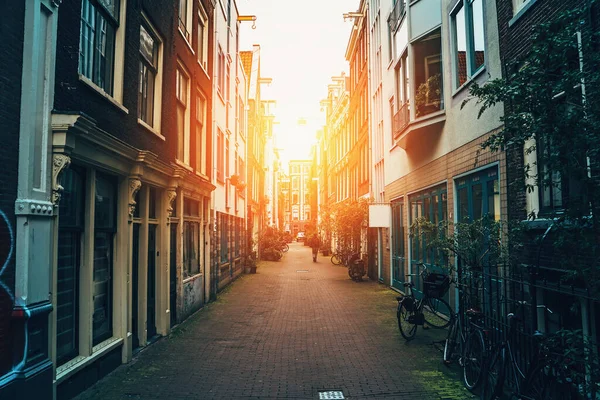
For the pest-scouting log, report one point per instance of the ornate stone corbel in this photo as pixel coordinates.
(171, 195)
(59, 163)
(134, 187)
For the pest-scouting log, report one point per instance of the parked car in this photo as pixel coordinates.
(300, 237)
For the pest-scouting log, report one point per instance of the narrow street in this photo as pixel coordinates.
(292, 330)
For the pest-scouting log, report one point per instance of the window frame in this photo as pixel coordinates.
(110, 231)
(78, 229)
(220, 155)
(187, 34)
(202, 48)
(157, 94)
(90, 70)
(201, 141)
(470, 53)
(183, 137)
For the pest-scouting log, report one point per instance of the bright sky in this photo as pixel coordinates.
(303, 44)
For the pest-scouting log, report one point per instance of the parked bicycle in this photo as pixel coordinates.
(430, 309)
(466, 341)
(284, 247)
(537, 381)
(467, 345)
(341, 257)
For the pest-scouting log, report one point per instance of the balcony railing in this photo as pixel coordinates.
(401, 119)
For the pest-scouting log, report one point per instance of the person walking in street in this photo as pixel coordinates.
(314, 244)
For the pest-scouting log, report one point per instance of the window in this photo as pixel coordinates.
(518, 4)
(241, 114)
(99, 23)
(224, 237)
(149, 85)
(477, 195)
(220, 151)
(202, 45)
(201, 148)
(70, 232)
(295, 198)
(104, 231)
(221, 72)
(191, 237)
(432, 204)
(183, 130)
(558, 191)
(185, 16)
(469, 42)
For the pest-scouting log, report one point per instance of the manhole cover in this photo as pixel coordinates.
(301, 270)
(332, 394)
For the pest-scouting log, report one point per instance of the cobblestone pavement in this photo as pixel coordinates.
(288, 332)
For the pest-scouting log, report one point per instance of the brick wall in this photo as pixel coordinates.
(514, 45)
(443, 169)
(11, 63)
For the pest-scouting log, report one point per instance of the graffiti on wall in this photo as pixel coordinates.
(7, 245)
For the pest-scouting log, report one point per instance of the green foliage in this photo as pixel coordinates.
(348, 219)
(552, 108)
(477, 244)
(429, 95)
(269, 242)
(572, 355)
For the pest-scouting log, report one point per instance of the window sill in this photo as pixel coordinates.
(186, 41)
(203, 68)
(220, 96)
(521, 12)
(102, 93)
(468, 82)
(184, 165)
(78, 363)
(151, 129)
(192, 278)
(201, 175)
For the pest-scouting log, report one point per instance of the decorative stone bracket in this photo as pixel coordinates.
(134, 186)
(171, 195)
(59, 163)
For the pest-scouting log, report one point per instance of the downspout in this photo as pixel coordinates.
(212, 284)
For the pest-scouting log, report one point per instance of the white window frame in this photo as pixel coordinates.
(157, 112)
(185, 157)
(470, 52)
(118, 63)
(201, 142)
(202, 48)
(187, 33)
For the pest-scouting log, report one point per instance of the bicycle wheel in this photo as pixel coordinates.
(535, 388)
(285, 247)
(473, 357)
(437, 312)
(493, 383)
(407, 329)
(336, 260)
(451, 343)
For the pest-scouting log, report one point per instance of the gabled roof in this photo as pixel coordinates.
(246, 57)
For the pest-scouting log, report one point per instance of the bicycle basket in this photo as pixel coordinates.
(436, 285)
(408, 303)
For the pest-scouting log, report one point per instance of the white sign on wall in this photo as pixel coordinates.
(379, 215)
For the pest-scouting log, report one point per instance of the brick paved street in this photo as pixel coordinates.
(285, 334)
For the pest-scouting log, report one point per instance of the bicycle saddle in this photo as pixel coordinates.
(409, 284)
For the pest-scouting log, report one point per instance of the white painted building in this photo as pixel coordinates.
(229, 146)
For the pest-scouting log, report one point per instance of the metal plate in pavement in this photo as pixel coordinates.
(331, 395)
